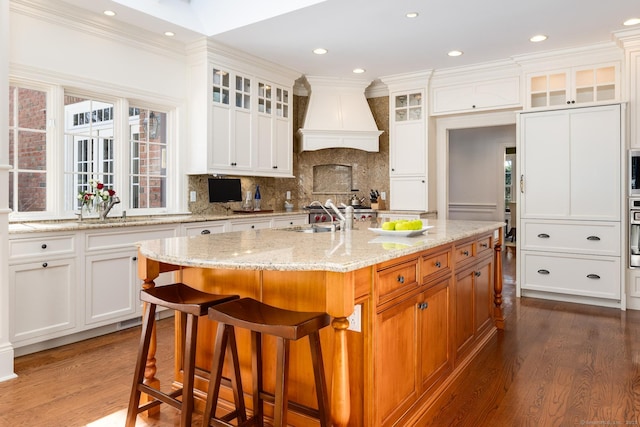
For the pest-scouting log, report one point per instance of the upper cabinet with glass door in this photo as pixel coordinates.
(274, 137)
(408, 106)
(571, 86)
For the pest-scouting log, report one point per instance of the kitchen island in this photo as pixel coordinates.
(425, 306)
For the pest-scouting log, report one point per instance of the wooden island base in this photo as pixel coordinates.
(424, 316)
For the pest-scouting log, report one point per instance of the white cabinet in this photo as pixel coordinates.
(249, 224)
(42, 297)
(570, 164)
(43, 291)
(578, 85)
(274, 138)
(289, 221)
(408, 148)
(111, 281)
(231, 122)
(476, 96)
(206, 227)
(570, 223)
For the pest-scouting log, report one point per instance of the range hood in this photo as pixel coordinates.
(338, 116)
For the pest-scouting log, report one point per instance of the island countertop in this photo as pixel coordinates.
(288, 250)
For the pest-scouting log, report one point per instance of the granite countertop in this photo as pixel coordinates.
(287, 250)
(113, 222)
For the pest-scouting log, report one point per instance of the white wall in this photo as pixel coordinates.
(476, 172)
(6, 350)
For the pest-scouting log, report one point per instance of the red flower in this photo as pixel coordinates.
(111, 193)
(100, 186)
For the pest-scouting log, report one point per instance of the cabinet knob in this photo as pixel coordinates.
(234, 164)
(465, 253)
(275, 167)
(44, 246)
(437, 264)
(253, 226)
(423, 305)
(135, 258)
(484, 245)
(401, 279)
(205, 232)
(543, 235)
(393, 170)
(473, 106)
(45, 265)
(477, 273)
(595, 238)
(543, 271)
(593, 276)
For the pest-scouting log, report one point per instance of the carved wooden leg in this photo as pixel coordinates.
(497, 287)
(150, 368)
(340, 399)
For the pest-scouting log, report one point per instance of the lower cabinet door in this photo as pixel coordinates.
(42, 300)
(111, 287)
(396, 348)
(435, 355)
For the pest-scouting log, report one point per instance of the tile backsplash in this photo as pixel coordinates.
(368, 171)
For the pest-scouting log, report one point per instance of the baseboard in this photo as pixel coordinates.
(6, 362)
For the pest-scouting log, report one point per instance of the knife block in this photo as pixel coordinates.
(379, 205)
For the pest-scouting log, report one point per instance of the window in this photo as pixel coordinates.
(27, 149)
(89, 146)
(148, 152)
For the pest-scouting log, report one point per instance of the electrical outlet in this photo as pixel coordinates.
(383, 195)
(355, 320)
(192, 196)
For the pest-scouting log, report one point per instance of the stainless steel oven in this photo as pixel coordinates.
(634, 232)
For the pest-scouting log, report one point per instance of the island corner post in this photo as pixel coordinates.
(339, 297)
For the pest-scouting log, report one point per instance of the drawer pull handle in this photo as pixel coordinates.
(44, 246)
(593, 276)
(401, 279)
(484, 245)
(477, 273)
(205, 232)
(423, 305)
(543, 235)
(437, 264)
(45, 265)
(596, 238)
(542, 271)
(465, 253)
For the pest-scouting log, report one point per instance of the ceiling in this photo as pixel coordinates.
(375, 34)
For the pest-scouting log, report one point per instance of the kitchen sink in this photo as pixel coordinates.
(314, 228)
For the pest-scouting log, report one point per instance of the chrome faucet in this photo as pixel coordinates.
(315, 202)
(113, 201)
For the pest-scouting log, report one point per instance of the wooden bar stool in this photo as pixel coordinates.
(192, 304)
(286, 326)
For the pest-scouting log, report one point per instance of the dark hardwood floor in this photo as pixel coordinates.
(555, 364)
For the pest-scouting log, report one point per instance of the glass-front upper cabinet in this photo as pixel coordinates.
(408, 107)
(282, 103)
(220, 87)
(243, 92)
(579, 85)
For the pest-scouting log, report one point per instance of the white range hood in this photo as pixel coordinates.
(338, 116)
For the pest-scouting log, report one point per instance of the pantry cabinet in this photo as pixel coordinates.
(570, 226)
(571, 86)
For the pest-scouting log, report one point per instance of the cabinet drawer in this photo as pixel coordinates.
(576, 237)
(484, 245)
(37, 247)
(396, 280)
(464, 252)
(211, 227)
(435, 265)
(597, 277)
(126, 237)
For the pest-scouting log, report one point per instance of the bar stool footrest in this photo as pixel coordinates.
(160, 397)
(298, 407)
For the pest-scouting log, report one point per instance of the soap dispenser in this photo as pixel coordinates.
(256, 199)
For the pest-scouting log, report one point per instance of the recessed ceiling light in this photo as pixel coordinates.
(359, 70)
(538, 38)
(320, 51)
(412, 15)
(169, 33)
(455, 53)
(632, 21)
(109, 13)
